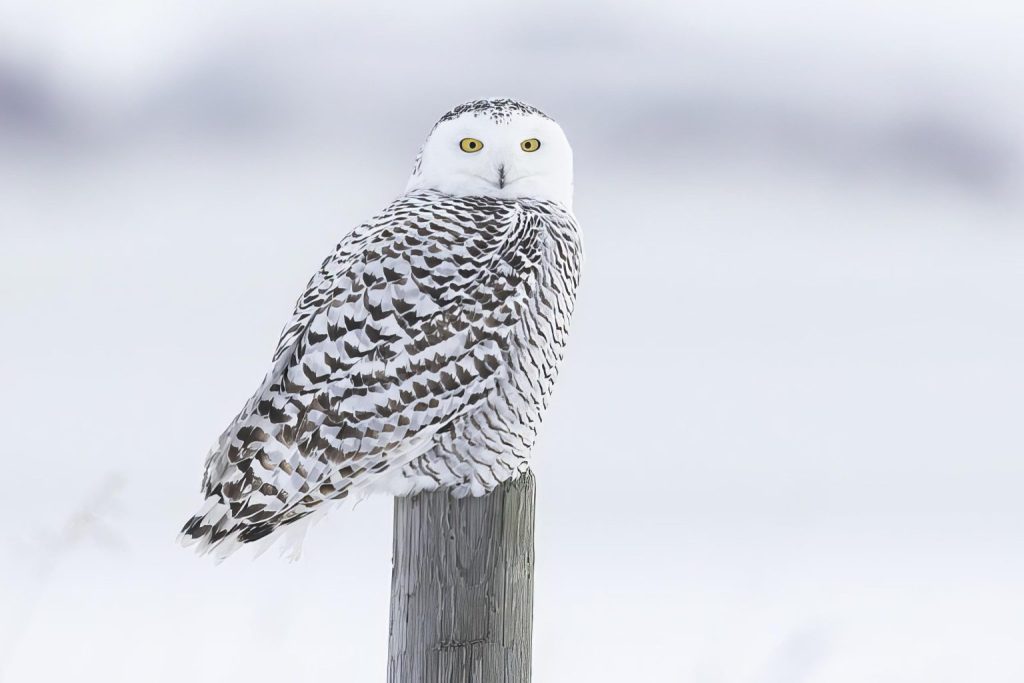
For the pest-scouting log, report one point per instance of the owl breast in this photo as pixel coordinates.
(491, 442)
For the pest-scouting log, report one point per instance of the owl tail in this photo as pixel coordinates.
(215, 531)
(210, 528)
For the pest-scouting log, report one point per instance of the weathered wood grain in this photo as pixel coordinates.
(462, 587)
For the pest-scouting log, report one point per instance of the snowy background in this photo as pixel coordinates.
(787, 443)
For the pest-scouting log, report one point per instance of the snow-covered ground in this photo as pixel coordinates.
(786, 445)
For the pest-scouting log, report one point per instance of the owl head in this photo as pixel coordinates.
(496, 148)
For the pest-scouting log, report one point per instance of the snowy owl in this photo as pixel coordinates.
(424, 350)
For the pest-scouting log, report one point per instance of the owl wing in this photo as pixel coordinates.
(400, 331)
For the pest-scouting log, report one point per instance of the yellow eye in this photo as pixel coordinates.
(470, 145)
(531, 145)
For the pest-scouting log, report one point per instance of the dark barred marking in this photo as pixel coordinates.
(426, 346)
(499, 110)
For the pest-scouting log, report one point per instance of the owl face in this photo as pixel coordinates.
(496, 148)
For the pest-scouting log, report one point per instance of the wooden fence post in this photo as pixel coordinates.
(462, 587)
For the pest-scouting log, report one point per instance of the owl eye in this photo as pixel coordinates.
(470, 145)
(531, 145)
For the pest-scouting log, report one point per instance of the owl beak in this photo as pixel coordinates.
(501, 176)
